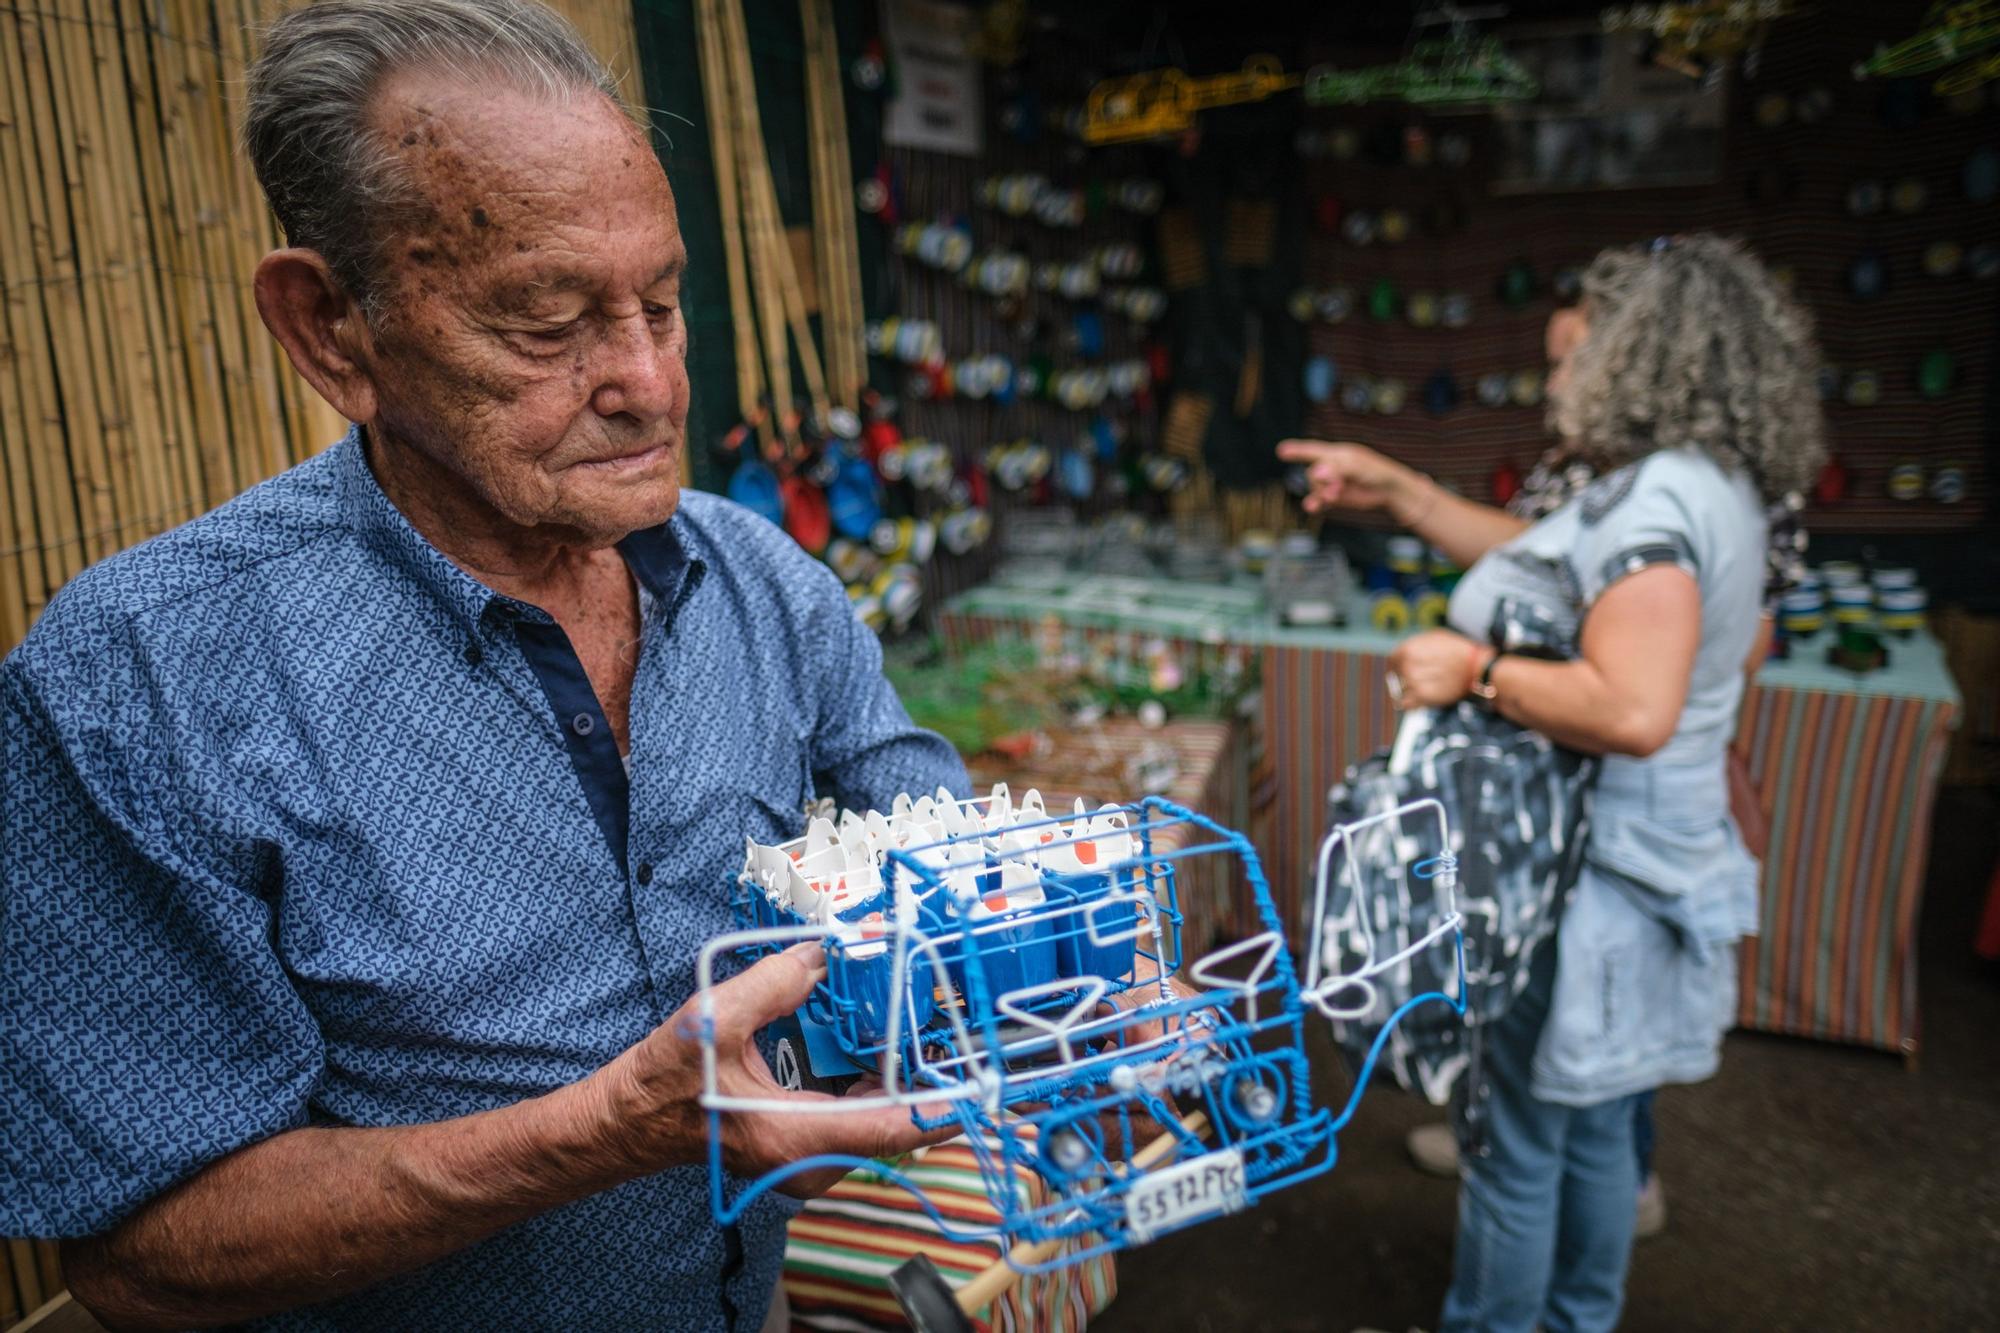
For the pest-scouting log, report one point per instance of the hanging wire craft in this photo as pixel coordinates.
(1962, 39)
(1691, 37)
(1166, 101)
(1018, 975)
(1453, 70)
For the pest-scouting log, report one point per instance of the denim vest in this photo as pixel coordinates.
(1645, 981)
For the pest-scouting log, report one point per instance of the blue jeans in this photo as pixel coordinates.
(1545, 1214)
(1642, 1134)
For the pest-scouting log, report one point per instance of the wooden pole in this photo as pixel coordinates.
(763, 234)
(715, 76)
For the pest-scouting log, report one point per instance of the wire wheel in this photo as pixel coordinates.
(785, 1066)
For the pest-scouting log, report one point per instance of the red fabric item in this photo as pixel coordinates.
(806, 515)
(1987, 943)
(877, 437)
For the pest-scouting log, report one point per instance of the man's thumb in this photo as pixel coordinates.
(770, 988)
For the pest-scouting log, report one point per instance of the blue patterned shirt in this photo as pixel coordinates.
(304, 825)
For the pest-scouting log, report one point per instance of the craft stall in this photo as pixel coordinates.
(1001, 311)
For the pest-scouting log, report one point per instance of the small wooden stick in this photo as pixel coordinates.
(991, 1283)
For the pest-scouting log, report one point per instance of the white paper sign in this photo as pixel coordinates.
(937, 103)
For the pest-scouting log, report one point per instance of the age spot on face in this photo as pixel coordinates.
(479, 218)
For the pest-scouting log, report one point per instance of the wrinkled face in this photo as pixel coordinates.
(532, 345)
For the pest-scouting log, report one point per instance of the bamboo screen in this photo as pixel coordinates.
(138, 387)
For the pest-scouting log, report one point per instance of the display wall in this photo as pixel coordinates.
(1784, 187)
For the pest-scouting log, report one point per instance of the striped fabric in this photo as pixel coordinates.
(1323, 712)
(1848, 781)
(842, 1248)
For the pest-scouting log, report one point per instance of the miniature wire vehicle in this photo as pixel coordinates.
(1166, 101)
(1436, 71)
(1954, 30)
(1019, 975)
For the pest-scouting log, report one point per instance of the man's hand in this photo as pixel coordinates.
(651, 1093)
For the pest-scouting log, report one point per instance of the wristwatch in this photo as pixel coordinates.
(1483, 689)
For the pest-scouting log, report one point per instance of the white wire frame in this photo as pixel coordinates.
(975, 1072)
(1321, 992)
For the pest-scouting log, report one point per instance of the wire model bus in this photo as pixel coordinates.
(1019, 975)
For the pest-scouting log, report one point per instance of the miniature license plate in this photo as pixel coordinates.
(1176, 1195)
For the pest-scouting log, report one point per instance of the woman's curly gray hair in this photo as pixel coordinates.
(1692, 342)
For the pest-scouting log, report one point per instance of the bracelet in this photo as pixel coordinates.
(1483, 687)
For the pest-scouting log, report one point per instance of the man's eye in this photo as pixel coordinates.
(660, 314)
(554, 332)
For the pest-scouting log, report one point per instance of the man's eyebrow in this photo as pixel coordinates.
(543, 282)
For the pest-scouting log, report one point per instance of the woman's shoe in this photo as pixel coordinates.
(1652, 1218)
(1434, 1148)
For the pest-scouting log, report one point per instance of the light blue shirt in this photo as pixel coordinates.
(304, 825)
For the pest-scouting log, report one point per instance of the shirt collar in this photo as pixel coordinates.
(656, 556)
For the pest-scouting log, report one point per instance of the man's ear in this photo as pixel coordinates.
(320, 327)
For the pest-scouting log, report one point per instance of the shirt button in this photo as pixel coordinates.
(644, 874)
(582, 724)
(474, 654)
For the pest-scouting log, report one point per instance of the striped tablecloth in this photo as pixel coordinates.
(840, 1251)
(1847, 767)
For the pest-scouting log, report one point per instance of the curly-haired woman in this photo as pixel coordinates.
(1685, 393)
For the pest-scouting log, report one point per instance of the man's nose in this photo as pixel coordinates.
(635, 372)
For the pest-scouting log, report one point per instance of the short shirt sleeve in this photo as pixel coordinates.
(147, 1026)
(1645, 514)
(864, 743)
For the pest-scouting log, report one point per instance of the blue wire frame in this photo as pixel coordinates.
(1235, 1050)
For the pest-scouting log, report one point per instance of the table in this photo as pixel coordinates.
(1847, 768)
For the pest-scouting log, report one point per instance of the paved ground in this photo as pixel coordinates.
(1809, 1186)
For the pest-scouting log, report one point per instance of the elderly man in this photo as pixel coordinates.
(359, 837)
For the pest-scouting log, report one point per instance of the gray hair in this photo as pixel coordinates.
(1692, 342)
(330, 179)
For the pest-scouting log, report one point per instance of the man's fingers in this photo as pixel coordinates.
(874, 1131)
(767, 989)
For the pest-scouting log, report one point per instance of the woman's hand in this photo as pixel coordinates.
(1353, 476)
(1435, 669)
